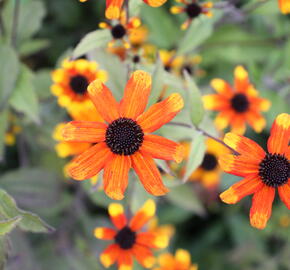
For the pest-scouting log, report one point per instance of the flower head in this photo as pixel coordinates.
(128, 239)
(123, 142)
(263, 172)
(170, 60)
(237, 105)
(180, 261)
(284, 6)
(193, 9)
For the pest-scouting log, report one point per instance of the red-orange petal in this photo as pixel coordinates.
(154, 3)
(241, 79)
(136, 95)
(116, 176)
(116, 212)
(222, 87)
(104, 233)
(162, 148)
(241, 189)
(104, 101)
(84, 131)
(90, 162)
(160, 113)
(216, 102)
(144, 256)
(152, 239)
(149, 174)
(261, 209)
(284, 193)
(280, 134)
(109, 255)
(113, 9)
(143, 215)
(125, 259)
(284, 6)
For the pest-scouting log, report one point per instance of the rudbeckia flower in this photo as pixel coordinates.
(124, 141)
(181, 261)
(129, 238)
(284, 6)
(170, 60)
(263, 172)
(138, 36)
(193, 9)
(71, 82)
(238, 104)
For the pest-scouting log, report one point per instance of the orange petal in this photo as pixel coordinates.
(155, 3)
(90, 162)
(222, 87)
(160, 113)
(104, 233)
(84, 131)
(149, 174)
(104, 101)
(125, 260)
(116, 212)
(256, 120)
(136, 95)
(113, 9)
(238, 124)
(144, 256)
(161, 148)
(223, 118)
(182, 258)
(110, 255)
(152, 240)
(280, 134)
(216, 102)
(241, 79)
(284, 6)
(143, 215)
(241, 189)
(261, 209)
(284, 192)
(116, 176)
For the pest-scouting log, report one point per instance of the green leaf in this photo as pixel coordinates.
(135, 7)
(7, 225)
(91, 41)
(196, 108)
(42, 82)
(29, 222)
(196, 154)
(3, 127)
(32, 46)
(3, 253)
(23, 98)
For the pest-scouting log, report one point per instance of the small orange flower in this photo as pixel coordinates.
(124, 141)
(237, 105)
(263, 172)
(181, 261)
(129, 242)
(192, 9)
(284, 6)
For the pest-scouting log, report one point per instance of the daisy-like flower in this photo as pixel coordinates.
(130, 239)
(138, 36)
(284, 6)
(180, 261)
(125, 142)
(71, 82)
(263, 172)
(193, 9)
(238, 104)
(170, 60)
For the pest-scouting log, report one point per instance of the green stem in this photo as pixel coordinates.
(15, 23)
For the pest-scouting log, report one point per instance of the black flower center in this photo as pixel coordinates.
(240, 103)
(193, 10)
(167, 68)
(125, 238)
(188, 68)
(124, 136)
(136, 59)
(274, 170)
(118, 31)
(209, 162)
(79, 84)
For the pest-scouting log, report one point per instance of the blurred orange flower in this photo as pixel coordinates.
(284, 6)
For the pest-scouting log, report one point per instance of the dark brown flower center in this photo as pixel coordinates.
(193, 10)
(118, 31)
(136, 59)
(240, 103)
(209, 162)
(188, 68)
(125, 238)
(79, 84)
(167, 67)
(274, 170)
(124, 136)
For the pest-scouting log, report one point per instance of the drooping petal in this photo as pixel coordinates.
(280, 134)
(116, 176)
(116, 212)
(136, 95)
(152, 240)
(110, 255)
(104, 233)
(84, 131)
(284, 193)
(215, 102)
(261, 209)
(149, 174)
(113, 9)
(155, 3)
(161, 148)
(241, 189)
(143, 215)
(90, 162)
(104, 101)
(144, 256)
(125, 259)
(160, 113)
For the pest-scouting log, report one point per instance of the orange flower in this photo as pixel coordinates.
(192, 9)
(284, 6)
(237, 105)
(124, 142)
(263, 172)
(181, 261)
(129, 242)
